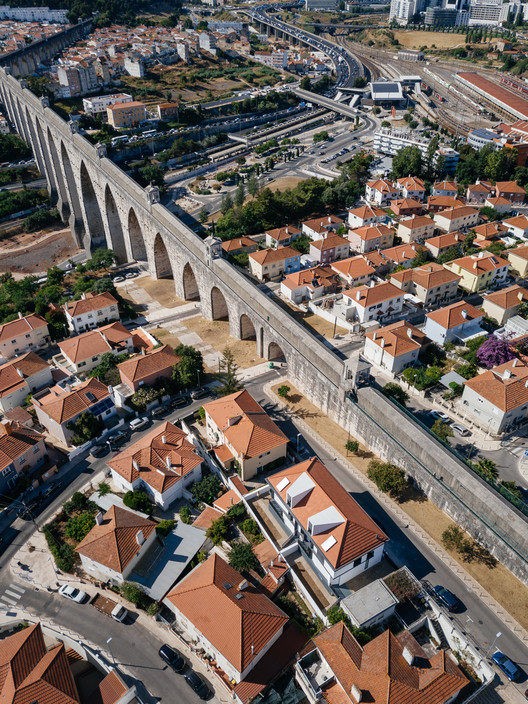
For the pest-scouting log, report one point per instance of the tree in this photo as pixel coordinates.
(488, 468)
(352, 446)
(336, 614)
(513, 488)
(227, 375)
(253, 185)
(360, 82)
(165, 526)
(138, 500)
(79, 526)
(387, 477)
(442, 430)
(190, 366)
(407, 161)
(132, 592)
(395, 391)
(101, 259)
(242, 557)
(55, 276)
(305, 83)
(227, 204)
(57, 323)
(495, 351)
(240, 195)
(203, 215)
(283, 391)
(185, 515)
(453, 538)
(218, 530)
(85, 427)
(106, 369)
(206, 490)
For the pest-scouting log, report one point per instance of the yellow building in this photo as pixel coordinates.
(126, 114)
(519, 259)
(479, 271)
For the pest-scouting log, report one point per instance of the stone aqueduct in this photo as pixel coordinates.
(103, 204)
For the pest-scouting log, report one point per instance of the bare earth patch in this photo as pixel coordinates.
(165, 337)
(498, 581)
(161, 290)
(216, 334)
(282, 184)
(414, 40)
(311, 321)
(36, 252)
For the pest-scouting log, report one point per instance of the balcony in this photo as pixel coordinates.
(306, 572)
(266, 514)
(313, 673)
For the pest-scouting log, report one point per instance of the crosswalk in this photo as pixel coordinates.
(11, 596)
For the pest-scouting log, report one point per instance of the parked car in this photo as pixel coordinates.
(98, 450)
(180, 402)
(117, 438)
(439, 415)
(139, 423)
(27, 509)
(131, 274)
(73, 593)
(50, 489)
(461, 429)
(504, 663)
(197, 684)
(446, 598)
(118, 279)
(160, 411)
(172, 658)
(199, 393)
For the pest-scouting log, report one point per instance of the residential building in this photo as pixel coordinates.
(134, 66)
(146, 369)
(412, 187)
(22, 450)
(489, 232)
(371, 605)
(497, 399)
(511, 191)
(336, 534)
(354, 270)
(518, 259)
(273, 263)
(23, 334)
(318, 227)
(431, 283)
(377, 302)
(83, 353)
(21, 376)
(162, 463)
(404, 10)
(309, 284)
(365, 215)
(239, 245)
(440, 244)
(454, 219)
(388, 669)
(480, 271)
(394, 347)
(500, 204)
(371, 237)
(445, 159)
(90, 311)
(58, 406)
(282, 236)
(33, 14)
(517, 226)
(445, 188)
(419, 227)
(401, 255)
(391, 141)
(115, 545)
(329, 249)
(455, 323)
(242, 432)
(405, 207)
(97, 104)
(477, 193)
(435, 204)
(76, 80)
(207, 42)
(128, 114)
(166, 111)
(255, 623)
(504, 304)
(381, 192)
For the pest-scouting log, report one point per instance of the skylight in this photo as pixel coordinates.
(329, 543)
(283, 484)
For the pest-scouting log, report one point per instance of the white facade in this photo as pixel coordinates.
(439, 334)
(134, 67)
(378, 355)
(25, 337)
(98, 104)
(16, 397)
(33, 14)
(388, 142)
(165, 499)
(357, 309)
(93, 318)
(106, 574)
(404, 10)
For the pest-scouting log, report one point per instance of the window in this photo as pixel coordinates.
(112, 307)
(370, 555)
(99, 312)
(28, 336)
(90, 315)
(22, 459)
(81, 364)
(36, 449)
(357, 562)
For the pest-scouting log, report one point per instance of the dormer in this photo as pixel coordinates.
(325, 520)
(300, 488)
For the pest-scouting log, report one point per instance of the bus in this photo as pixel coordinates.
(119, 140)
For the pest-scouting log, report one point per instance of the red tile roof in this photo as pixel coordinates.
(14, 373)
(62, 404)
(354, 535)
(113, 543)
(15, 441)
(398, 339)
(95, 342)
(91, 302)
(249, 620)
(367, 296)
(503, 386)
(479, 263)
(265, 256)
(109, 691)
(455, 314)
(21, 326)
(145, 365)
(507, 297)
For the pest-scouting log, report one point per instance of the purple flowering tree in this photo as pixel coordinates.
(495, 351)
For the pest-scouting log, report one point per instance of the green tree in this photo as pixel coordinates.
(203, 215)
(488, 468)
(387, 477)
(101, 259)
(407, 161)
(253, 185)
(305, 83)
(85, 427)
(352, 446)
(133, 592)
(453, 538)
(185, 515)
(442, 430)
(79, 526)
(138, 501)
(57, 323)
(218, 530)
(360, 82)
(513, 488)
(228, 373)
(395, 391)
(240, 195)
(106, 370)
(226, 204)
(336, 614)
(55, 276)
(206, 490)
(242, 558)
(190, 368)
(283, 391)
(165, 526)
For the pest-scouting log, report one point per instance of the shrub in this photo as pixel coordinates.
(395, 391)
(218, 530)
(133, 592)
(207, 489)
(79, 526)
(153, 609)
(242, 558)
(283, 391)
(103, 488)
(202, 556)
(78, 502)
(165, 526)
(442, 430)
(185, 515)
(336, 614)
(352, 446)
(138, 501)
(453, 538)
(64, 555)
(237, 511)
(387, 477)
(250, 526)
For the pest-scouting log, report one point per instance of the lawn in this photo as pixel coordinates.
(161, 290)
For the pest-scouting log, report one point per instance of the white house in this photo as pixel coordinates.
(458, 322)
(90, 311)
(412, 187)
(365, 215)
(23, 334)
(354, 270)
(83, 352)
(394, 347)
(338, 536)
(419, 227)
(517, 226)
(381, 192)
(319, 227)
(162, 463)
(445, 188)
(453, 219)
(309, 284)
(374, 302)
(22, 376)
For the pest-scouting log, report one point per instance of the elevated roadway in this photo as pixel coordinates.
(326, 102)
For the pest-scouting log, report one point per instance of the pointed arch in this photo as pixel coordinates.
(35, 145)
(23, 127)
(247, 329)
(275, 352)
(162, 263)
(219, 310)
(190, 284)
(50, 176)
(93, 221)
(76, 216)
(137, 242)
(114, 227)
(63, 193)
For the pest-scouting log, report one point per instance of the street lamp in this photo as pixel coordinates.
(110, 649)
(497, 635)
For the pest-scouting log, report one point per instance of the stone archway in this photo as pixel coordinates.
(35, 145)
(219, 310)
(50, 175)
(114, 227)
(63, 193)
(275, 352)
(247, 329)
(76, 216)
(191, 291)
(137, 242)
(162, 263)
(93, 220)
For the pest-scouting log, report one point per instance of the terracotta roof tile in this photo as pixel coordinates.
(13, 374)
(450, 239)
(95, 342)
(207, 516)
(367, 296)
(265, 256)
(479, 263)
(427, 276)
(323, 223)
(323, 275)
(444, 202)
(62, 404)
(521, 251)
(354, 268)
(252, 618)
(411, 183)
(453, 315)
(382, 185)
(366, 212)
(109, 691)
(282, 233)
(329, 242)
(15, 441)
(238, 243)
(398, 339)
(90, 303)
(455, 213)
(507, 297)
(503, 386)
(520, 221)
(445, 186)
(144, 365)
(21, 326)
(416, 221)
(372, 232)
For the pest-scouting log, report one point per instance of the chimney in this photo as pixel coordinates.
(356, 693)
(19, 372)
(407, 656)
(507, 374)
(168, 462)
(135, 465)
(83, 296)
(164, 439)
(143, 351)
(231, 500)
(20, 315)
(382, 343)
(374, 335)
(243, 585)
(99, 518)
(514, 363)
(110, 389)
(140, 538)
(358, 296)
(520, 296)
(271, 563)
(464, 313)
(372, 283)
(475, 265)
(481, 254)
(409, 333)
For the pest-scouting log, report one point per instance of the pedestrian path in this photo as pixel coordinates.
(11, 596)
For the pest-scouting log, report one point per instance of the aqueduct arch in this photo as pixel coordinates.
(135, 235)
(93, 220)
(162, 263)
(191, 291)
(114, 227)
(219, 310)
(247, 329)
(275, 352)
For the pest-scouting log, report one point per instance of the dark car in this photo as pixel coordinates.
(509, 668)
(50, 489)
(199, 393)
(26, 511)
(118, 437)
(197, 684)
(160, 411)
(446, 598)
(180, 402)
(98, 450)
(172, 658)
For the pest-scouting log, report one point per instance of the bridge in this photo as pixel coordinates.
(329, 103)
(104, 206)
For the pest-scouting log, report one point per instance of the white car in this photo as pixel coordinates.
(139, 423)
(117, 279)
(439, 415)
(73, 593)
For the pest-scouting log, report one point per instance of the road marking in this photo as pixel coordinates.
(10, 601)
(17, 588)
(12, 593)
(3, 606)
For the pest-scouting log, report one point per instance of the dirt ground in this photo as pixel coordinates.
(442, 40)
(36, 252)
(216, 334)
(165, 337)
(161, 290)
(281, 184)
(314, 323)
(497, 581)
